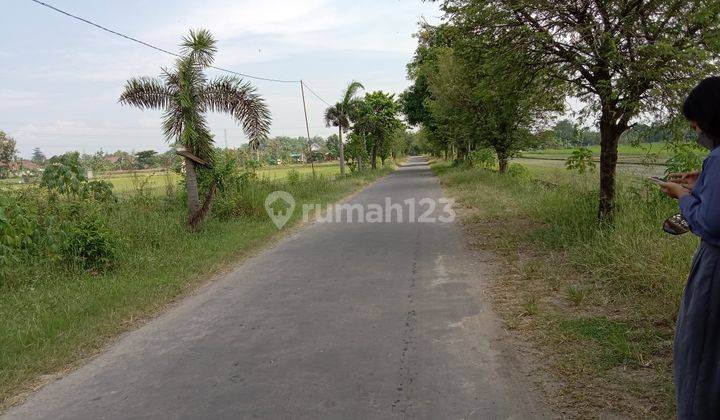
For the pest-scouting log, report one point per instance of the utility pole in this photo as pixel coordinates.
(307, 128)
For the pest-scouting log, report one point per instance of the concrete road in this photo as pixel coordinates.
(340, 320)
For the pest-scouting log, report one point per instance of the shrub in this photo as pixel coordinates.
(99, 190)
(518, 171)
(64, 174)
(483, 158)
(90, 243)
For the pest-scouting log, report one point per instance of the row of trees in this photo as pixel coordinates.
(376, 129)
(495, 69)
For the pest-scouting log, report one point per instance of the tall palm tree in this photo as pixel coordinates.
(338, 116)
(186, 95)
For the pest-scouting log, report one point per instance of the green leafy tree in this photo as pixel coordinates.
(333, 145)
(338, 116)
(375, 118)
(484, 96)
(8, 151)
(622, 58)
(97, 162)
(186, 95)
(146, 159)
(64, 174)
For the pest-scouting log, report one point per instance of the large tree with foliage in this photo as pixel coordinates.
(622, 57)
(7, 148)
(477, 94)
(185, 94)
(375, 118)
(338, 116)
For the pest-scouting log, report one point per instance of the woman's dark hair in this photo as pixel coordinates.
(703, 107)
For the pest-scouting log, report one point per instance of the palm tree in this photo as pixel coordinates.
(338, 116)
(186, 95)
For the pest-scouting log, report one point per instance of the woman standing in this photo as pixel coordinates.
(696, 355)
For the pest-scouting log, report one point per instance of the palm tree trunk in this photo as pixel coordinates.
(341, 148)
(204, 211)
(193, 198)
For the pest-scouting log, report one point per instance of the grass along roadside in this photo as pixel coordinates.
(53, 316)
(599, 302)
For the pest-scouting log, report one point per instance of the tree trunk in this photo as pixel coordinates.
(191, 186)
(502, 163)
(373, 157)
(204, 212)
(609, 137)
(341, 150)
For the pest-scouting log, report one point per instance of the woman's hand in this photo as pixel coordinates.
(674, 190)
(686, 179)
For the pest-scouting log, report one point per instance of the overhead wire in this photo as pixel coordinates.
(154, 47)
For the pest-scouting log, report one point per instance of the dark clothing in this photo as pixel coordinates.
(701, 207)
(696, 358)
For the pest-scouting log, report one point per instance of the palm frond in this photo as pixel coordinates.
(199, 45)
(233, 96)
(145, 92)
(334, 116)
(351, 91)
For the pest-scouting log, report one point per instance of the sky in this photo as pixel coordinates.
(60, 79)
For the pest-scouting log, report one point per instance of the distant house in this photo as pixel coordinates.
(113, 159)
(27, 165)
(21, 168)
(297, 157)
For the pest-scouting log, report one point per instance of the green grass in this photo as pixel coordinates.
(605, 296)
(159, 180)
(624, 150)
(52, 315)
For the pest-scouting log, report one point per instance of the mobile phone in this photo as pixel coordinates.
(656, 179)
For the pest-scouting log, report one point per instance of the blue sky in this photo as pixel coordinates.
(60, 79)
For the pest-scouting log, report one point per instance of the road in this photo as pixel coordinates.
(339, 320)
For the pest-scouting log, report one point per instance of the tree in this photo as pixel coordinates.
(333, 145)
(375, 119)
(186, 95)
(567, 133)
(146, 159)
(480, 95)
(7, 148)
(97, 162)
(622, 58)
(38, 156)
(338, 116)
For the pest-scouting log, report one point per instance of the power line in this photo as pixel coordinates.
(147, 44)
(154, 47)
(315, 94)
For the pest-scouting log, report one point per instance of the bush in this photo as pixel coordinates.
(483, 158)
(90, 243)
(64, 174)
(99, 190)
(518, 171)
